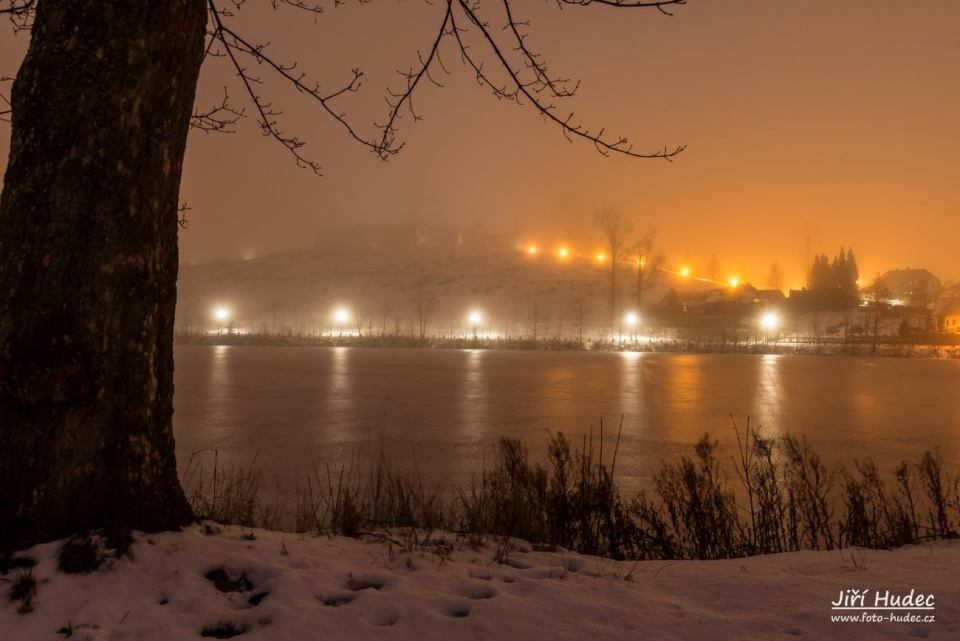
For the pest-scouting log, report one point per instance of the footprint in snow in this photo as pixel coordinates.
(358, 583)
(479, 592)
(336, 600)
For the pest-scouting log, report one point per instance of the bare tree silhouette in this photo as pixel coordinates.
(89, 212)
(616, 231)
(647, 261)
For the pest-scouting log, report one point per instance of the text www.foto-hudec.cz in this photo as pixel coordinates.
(882, 606)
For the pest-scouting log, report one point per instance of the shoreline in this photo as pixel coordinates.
(892, 348)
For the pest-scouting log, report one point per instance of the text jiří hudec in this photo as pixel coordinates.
(854, 598)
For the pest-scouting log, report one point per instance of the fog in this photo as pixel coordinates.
(840, 120)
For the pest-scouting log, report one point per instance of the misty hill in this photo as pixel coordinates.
(299, 291)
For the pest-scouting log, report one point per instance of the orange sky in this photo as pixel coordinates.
(837, 117)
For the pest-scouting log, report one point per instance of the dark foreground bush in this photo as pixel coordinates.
(776, 496)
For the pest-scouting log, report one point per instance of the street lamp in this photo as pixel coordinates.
(341, 316)
(475, 319)
(632, 322)
(222, 314)
(770, 323)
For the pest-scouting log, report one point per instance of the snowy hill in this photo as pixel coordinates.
(299, 291)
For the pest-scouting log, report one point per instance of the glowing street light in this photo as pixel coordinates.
(564, 252)
(222, 315)
(601, 257)
(531, 250)
(475, 319)
(685, 272)
(341, 316)
(769, 321)
(632, 321)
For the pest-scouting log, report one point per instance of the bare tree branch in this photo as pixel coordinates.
(235, 45)
(519, 74)
(6, 109)
(310, 7)
(542, 82)
(624, 4)
(182, 215)
(396, 101)
(218, 119)
(556, 86)
(18, 12)
(525, 77)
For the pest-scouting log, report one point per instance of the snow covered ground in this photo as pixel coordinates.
(284, 586)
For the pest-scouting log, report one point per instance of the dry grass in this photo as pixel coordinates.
(776, 496)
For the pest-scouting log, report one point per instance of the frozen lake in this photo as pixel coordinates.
(444, 410)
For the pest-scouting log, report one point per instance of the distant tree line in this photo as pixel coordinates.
(833, 283)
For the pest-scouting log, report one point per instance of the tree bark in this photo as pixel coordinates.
(88, 268)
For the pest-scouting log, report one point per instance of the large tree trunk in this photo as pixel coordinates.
(88, 268)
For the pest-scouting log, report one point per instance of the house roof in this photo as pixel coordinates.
(770, 295)
(951, 308)
(904, 282)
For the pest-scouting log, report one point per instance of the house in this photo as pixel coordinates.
(670, 310)
(947, 312)
(742, 301)
(769, 297)
(912, 287)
